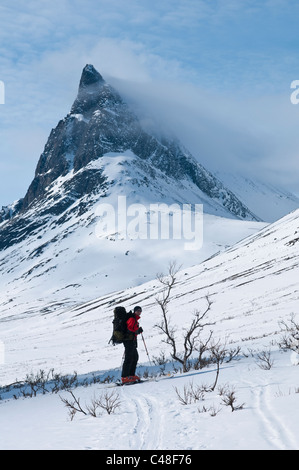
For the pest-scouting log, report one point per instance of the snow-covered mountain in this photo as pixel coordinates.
(51, 252)
(49, 245)
(99, 123)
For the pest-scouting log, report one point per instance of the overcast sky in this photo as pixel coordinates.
(215, 72)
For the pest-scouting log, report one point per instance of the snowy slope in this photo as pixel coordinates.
(267, 201)
(65, 259)
(253, 286)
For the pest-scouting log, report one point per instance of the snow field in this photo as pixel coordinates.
(152, 418)
(253, 286)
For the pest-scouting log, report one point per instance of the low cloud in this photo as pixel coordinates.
(256, 136)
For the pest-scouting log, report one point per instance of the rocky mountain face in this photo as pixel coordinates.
(100, 122)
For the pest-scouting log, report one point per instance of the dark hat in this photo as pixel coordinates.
(137, 308)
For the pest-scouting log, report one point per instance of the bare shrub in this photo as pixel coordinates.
(160, 361)
(191, 333)
(190, 394)
(229, 399)
(202, 360)
(218, 354)
(290, 337)
(233, 354)
(73, 406)
(264, 360)
(108, 401)
(212, 410)
(184, 397)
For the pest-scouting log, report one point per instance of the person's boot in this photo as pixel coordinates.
(128, 380)
(136, 378)
(125, 380)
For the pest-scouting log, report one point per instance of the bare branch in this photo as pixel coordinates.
(229, 399)
(107, 401)
(192, 333)
(265, 360)
(290, 338)
(73, 406)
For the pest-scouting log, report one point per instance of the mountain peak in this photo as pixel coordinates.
(90, 87)
(90, 76)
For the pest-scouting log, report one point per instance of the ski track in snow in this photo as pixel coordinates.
(275, 432)
(148, 428)
(273, 429)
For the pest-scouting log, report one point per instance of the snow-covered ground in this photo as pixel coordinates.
(253, 286)
(151, 417)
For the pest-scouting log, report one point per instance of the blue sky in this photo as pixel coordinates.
(216, 72)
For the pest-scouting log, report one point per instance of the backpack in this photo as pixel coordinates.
(120, 332)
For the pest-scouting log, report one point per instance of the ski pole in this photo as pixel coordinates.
(146, 349)
(122, 362)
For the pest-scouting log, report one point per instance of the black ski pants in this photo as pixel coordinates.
(131, 358)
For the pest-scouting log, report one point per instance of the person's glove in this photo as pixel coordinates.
(140, 330)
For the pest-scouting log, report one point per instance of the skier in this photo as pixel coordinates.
(131, 353)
